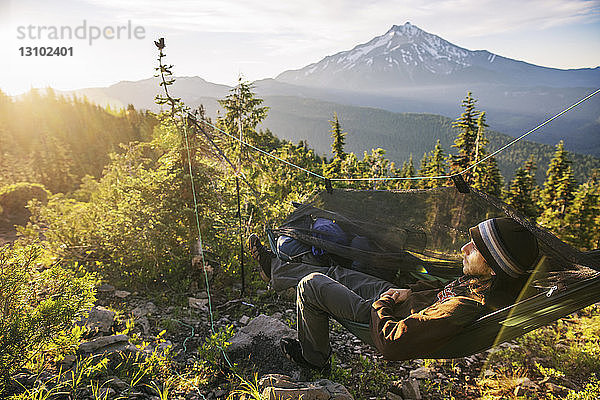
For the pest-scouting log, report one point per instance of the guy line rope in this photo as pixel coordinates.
(387, 178)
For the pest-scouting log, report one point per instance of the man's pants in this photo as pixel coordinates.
(343, 294)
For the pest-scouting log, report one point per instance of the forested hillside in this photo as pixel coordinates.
(56, 140)
(400, 134)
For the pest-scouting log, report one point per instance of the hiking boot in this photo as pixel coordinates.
(292, 349)
(261, 254)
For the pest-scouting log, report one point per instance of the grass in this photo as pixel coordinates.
(565, 354)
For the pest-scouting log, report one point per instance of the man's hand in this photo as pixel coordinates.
(398, 295)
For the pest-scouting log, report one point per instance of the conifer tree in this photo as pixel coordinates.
(424, 171)
(523, 190)
(583, 217)
(433, 164)
(337, 147)
(243, 110)
(376, 166)
(485, 176)
(407, 171)
(466, 140)
(558, 192)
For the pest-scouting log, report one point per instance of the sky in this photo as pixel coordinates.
(219, 40)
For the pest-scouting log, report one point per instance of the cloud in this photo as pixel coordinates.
(343, 16)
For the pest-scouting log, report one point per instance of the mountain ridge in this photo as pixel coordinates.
(406, 55)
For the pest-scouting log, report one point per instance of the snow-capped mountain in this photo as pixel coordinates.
(407, 56)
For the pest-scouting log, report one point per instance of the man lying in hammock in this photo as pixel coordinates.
(402, 323)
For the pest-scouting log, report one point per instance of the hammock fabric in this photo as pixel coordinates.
(417, 234)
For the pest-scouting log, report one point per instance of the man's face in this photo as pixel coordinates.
(473, 261)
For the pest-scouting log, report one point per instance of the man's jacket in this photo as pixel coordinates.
(427, 319)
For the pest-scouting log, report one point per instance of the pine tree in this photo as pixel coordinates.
(376, 166)
(424, 171)
(485, 176)
(433, 164)
(407, 171)
(583, 217)
(337, 147)
(523, 190)
(243, 111)
(466, 140)
(557, 195)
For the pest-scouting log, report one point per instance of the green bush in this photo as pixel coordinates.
(136, 223)
(567, 349)
(590, 392)
(39, 303)
(14, 199)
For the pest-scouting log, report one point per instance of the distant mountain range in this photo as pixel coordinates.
(407, 56)
(406, 70)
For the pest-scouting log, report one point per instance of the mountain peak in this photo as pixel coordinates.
(407, 29)
(408, 56)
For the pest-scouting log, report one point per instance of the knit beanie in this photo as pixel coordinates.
(508, 247)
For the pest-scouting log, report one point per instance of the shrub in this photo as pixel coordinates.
(132, 224)
(39, 302)
(566, 350)
(14, 199)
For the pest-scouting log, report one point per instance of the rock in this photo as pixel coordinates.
(277, 315)
(262, 325)
(198, 303)
(393, 396)
(144, 325)
(410, 389)
(105, 288)
(99, 320)
(202, 295)
(118, 384)
(197, 263)
(106, 393)
(68, 361)
(244, 320)
(421, 373)
(24, 379)
(144, 310)
(526, 382)
(275, 386)
(524, 385)
(488, 372)
(553, 388)
(470, 360)
(105, 344)
(161, 347)
(519, 391)
(121, 294)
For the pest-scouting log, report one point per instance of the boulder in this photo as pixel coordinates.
(421, 373)
(121, 294)
(105, 288)
(201, 304)
(105, 344)
(276, 386)
(393, 396)
(524, 385)
(144, 310)
(262, 325)
(99, 320)
(410, 389)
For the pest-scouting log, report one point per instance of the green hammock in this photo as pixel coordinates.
(417, 234)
